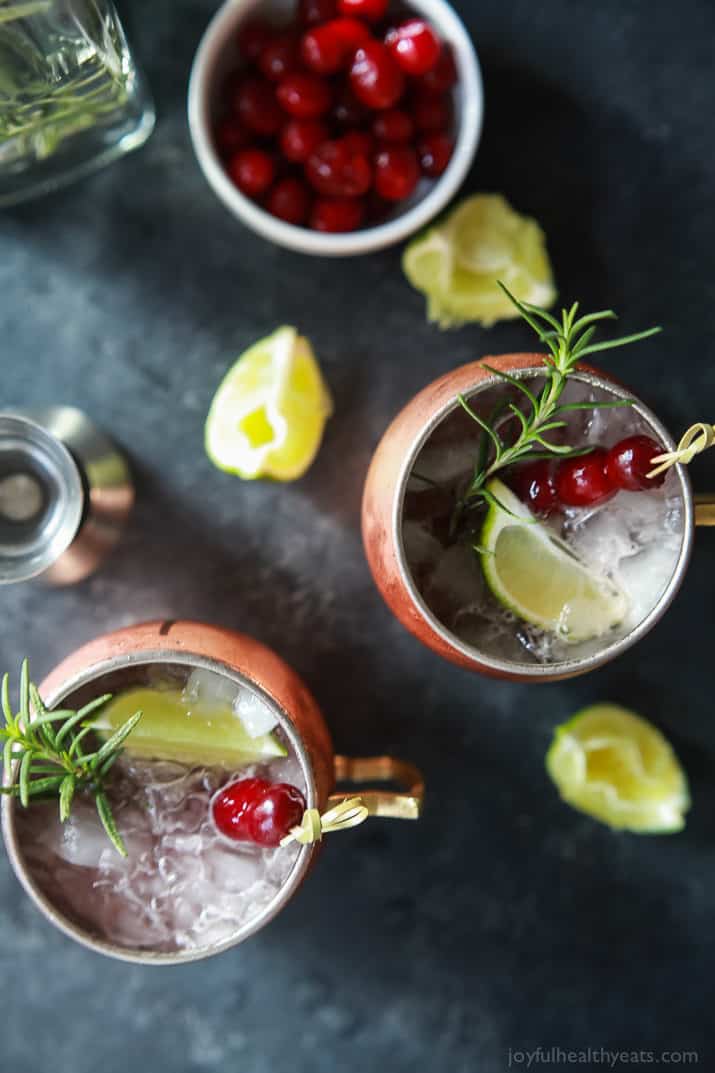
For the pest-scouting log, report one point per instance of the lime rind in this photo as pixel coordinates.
(618, 768)
(457, 262)
(538, 578)
(427, 261)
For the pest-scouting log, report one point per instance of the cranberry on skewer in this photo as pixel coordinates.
(255, 810)
(630, 461)
(582, 481)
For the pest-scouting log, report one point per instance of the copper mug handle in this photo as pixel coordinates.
(402, 804)
(704, 508)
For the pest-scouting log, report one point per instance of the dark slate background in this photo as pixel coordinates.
(504, 919)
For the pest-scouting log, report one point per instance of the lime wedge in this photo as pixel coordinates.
(617, 767)
(173, 728)
(268, 415)
(456, 264)
(537, 577)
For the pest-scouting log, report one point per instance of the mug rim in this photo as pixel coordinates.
(255, 923)
(544, 672)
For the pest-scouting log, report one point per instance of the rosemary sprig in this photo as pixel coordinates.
(567, 341)
(43, 755)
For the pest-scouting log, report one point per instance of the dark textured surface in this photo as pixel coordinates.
(504, 919)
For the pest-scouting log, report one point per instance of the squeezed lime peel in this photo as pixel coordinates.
(645, 791)
(455, 264)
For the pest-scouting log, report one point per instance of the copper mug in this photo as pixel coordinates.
(119, 660)
(384, 497)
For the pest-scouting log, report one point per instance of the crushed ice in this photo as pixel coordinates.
(182, 886)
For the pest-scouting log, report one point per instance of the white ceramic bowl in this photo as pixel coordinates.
(217, 55)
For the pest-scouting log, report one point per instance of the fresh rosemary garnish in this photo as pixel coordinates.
(567, 342)
(43, 759)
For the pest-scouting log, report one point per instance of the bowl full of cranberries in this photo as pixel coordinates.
(335, 127)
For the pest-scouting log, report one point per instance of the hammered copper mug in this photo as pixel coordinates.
(122, 659)
(383, 504)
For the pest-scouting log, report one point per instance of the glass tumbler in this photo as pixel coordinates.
(71, 97)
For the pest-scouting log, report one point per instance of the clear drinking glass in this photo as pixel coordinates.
(71, 98)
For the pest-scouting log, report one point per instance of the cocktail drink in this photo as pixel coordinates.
(561, 560)
(197, 792)
(184, 884)
(512, 518)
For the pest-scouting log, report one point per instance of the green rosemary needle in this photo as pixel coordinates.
(567, 342)
(43, 753)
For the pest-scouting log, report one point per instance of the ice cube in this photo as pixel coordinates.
(257, 717)
(234, 869)
(181, 886)
(80, 840)
(456, 583)
(635, 538)
(133, 923)
(422, 549)
(446, 463)
(644, 577)
(208, 689)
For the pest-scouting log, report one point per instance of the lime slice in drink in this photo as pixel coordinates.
(615, 766)
(457, 263)
(537, 577)
(268, 415)
(174, 728)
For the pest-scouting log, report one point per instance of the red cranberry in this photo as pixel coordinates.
(230, 136)
(305, 96)
(252, 170)
(301, 137)
(396, 172)
(582, 481)
(281, 807)
(256, 105)
(443, 75)
(359, 141)
(334, 170)
(394, 125)
(280, 57)
(431, 111)
(313, 12)
(232, 84)
(255, 810)
(289, 200)
(415, 46)
(327, 48)
(231, 805)
(376, 208)
(435, 152)
(337, 214)
(375, 78)
(372, 10)
(534, 484)
(630, 461)
(253, 36)
(347, 110)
